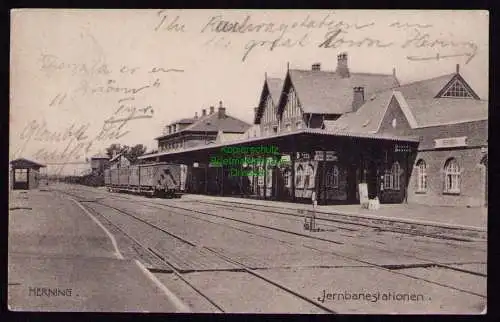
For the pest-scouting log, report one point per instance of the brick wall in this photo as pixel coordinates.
(472, 181)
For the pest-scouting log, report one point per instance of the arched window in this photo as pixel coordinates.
(392, 177)
(298, 176)
(421, 176)
(451, 176)
(309, 177)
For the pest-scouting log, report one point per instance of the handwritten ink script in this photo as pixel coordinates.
(325, 31)
(76, 139)
(93, 80)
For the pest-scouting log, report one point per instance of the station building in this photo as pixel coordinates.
(424, 142)
(451, 121)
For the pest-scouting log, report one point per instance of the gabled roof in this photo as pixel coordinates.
(100, 155)
(227, 137)
(367, 118)
(212, 123)
(419, 102)
(441, 111)
(275, 86)
(427, 88)
(118, 156)
(326, 92)
(25, 163)
(184, 121)
(272, 87)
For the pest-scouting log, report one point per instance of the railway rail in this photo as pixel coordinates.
(414, 229)
(171, 206)
(392, 269)
(233, 261)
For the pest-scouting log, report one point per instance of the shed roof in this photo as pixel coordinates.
(340, 133)
(23, 163)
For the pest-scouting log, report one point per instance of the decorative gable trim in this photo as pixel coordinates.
(288, 88)
(461, 81)
(264, 94)
(405, 108)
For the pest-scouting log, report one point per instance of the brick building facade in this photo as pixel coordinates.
(449, 166)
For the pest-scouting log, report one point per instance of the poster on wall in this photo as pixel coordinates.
(363, 193)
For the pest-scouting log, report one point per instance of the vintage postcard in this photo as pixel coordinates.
(248, 161)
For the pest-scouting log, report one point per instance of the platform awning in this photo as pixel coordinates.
(262, 139)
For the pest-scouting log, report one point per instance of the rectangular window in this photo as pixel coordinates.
(21, 175)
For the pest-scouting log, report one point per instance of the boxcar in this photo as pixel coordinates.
(153, 179)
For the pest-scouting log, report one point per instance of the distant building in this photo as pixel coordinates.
(25, 174)
(119, 161)
(202, 130)
(98, 163)
(450, 166)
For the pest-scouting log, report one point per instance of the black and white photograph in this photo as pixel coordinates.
(248, 161)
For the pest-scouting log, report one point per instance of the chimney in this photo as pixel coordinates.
(222, 110)
(195, 115)
(394, 72)
(204, 112)
(358, 98)
(342, 68)
(316, 67)
(211, 110)
(458, 68)
(255, 110)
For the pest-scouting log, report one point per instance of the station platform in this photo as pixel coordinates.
(61, 259)
(439, 216)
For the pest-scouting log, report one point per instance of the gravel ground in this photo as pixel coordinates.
(310, 272)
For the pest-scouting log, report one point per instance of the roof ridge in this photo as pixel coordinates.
(425, 80)
(334, 72)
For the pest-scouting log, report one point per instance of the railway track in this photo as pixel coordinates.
(349, 223)
(239, 265)
(392, 269)
(190, 211)
(383, 225)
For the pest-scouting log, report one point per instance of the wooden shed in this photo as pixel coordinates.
(25, 174)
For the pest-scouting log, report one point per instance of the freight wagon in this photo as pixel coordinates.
(155, 179)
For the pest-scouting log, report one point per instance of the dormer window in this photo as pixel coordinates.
(457, 89)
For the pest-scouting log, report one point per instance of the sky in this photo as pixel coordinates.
(81, 80)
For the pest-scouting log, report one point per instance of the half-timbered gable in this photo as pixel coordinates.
(266, 112)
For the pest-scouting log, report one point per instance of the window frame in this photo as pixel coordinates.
(421, 177)
(392, 177)
(287, 178)
(457, 88)
(452, 170)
